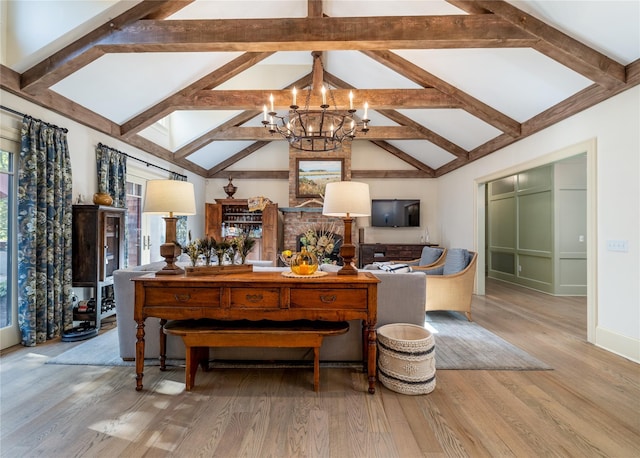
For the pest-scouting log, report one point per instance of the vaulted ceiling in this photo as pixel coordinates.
(447, 82)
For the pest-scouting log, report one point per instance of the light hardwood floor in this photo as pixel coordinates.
(589, 405)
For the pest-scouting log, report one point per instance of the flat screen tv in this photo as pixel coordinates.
(395, 212)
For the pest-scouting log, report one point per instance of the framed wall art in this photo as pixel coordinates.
(312, 175)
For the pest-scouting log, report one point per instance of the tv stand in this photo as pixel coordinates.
(383, 252)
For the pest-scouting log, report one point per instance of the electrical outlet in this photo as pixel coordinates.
(618, 245)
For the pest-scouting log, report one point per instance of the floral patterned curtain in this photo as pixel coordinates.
(112, 179)
(112, 174)
(44, 232)
(181, 224)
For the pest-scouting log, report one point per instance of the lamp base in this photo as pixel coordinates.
(347, 253)
(169, 251)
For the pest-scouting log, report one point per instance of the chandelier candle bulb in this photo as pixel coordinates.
(271, 101)
(351, 100)
(324, 95)
(294, 96)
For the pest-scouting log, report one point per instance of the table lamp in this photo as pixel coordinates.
(348, 200)
(175, 198)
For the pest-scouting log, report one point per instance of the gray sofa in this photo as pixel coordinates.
(401, 299)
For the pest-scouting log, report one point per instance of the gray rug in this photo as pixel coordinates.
(459, 345)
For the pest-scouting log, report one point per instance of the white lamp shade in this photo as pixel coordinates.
(347, 197)
(169, 196)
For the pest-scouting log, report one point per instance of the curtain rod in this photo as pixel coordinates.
(17, 113)
(22, 115)
(148, 164)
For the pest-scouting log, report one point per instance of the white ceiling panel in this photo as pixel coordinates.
(120, 86)
(216, 152)
(52, 24)
(424, 151)
(242, 9)
(455, 125)
(589, 23)
(516, 81)
(362, 72)
(348, 8)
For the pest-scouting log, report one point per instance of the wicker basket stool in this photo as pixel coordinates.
(406, 358)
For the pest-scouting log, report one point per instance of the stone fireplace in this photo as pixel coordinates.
(305, 213)
(296, 220)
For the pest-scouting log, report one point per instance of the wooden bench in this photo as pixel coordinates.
(199, 335)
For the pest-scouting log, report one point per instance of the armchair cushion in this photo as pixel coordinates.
(429, 255)
(456, 261)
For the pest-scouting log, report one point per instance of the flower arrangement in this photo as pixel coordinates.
(208, 249)
(320, 242)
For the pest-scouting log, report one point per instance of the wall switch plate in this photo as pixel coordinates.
(618, 245)
(581, 238)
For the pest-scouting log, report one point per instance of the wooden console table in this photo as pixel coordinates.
(259, 296)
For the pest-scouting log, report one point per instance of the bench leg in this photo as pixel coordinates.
(195, 356)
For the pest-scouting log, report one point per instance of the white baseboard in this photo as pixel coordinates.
(624, 346)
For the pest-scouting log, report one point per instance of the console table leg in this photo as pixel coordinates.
(372, 366)
(139, 354)
(163, 346)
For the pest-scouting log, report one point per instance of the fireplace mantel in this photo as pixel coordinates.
(300, 209)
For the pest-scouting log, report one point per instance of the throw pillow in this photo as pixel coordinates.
(457, 260)
(429, 255)
(396, 268)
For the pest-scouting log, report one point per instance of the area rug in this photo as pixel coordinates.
(465, 345)
(460, 344)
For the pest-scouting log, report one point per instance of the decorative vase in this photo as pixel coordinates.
(102, 198)
(230, 189)
(304, 263)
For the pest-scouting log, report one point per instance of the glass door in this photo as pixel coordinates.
(9, 332)
(146, 232)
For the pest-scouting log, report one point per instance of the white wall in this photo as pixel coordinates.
(82, 143)
(615, 126)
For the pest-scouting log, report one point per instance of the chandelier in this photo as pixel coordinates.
(321, 129)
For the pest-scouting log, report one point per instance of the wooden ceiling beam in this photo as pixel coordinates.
(252, 174)
(396, 174)
(83, 51)
(260, 133)
(556, 44)
(180, 99)
(377, 98)
(325, 33)
(470, 104)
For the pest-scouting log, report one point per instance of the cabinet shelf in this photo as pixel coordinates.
(98, 250)
(235, 213)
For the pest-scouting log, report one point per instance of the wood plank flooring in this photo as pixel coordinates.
(589, 405)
